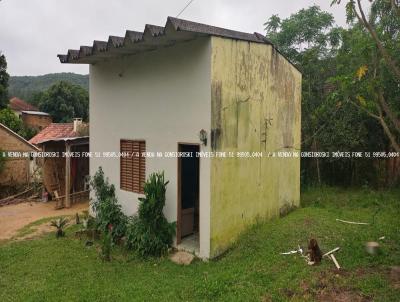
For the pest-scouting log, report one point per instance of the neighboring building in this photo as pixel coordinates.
(17, 170)
(65, 178)
(36, 119)
(17, 105)
(30, 115)
(192, 87)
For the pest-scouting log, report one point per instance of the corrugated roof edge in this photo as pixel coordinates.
(154, 31)
(64, 139)
(35, 112)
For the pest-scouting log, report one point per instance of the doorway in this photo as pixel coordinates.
(188, 194)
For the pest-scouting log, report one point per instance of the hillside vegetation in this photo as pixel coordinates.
(24, 87)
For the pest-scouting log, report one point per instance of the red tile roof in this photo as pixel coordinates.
(55, 131)
(20, 105)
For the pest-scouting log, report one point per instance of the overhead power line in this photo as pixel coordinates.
(183, 9)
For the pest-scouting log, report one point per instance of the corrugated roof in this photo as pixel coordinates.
(20, 105)
(55, 131)
(35, 112)
(152, 37)
(189, 26)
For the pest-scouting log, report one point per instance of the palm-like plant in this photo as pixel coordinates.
(59, 224)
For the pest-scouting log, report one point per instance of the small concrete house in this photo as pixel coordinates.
(190, 87)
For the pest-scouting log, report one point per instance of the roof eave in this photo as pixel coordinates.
(154, 37)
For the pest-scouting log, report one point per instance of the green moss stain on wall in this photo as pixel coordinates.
(256, 97)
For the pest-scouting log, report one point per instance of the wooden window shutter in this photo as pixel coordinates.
(133, 166)
(142, 173)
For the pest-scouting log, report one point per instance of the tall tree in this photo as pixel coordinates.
(64, 101)
(378, 67)
(310, 39)
(3, 82)
(329, 123)
(308, 30)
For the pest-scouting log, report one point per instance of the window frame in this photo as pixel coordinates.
(133, 168)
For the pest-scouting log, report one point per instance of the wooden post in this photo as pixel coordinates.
(67, 175)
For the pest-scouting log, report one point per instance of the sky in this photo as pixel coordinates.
(33, 32)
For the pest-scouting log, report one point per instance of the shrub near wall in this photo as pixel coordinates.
(108, 210)
(149, 233)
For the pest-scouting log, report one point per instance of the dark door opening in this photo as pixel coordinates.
(188, 192)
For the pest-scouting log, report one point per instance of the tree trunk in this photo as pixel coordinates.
(387, 57)
(395, 121)
(317, 162)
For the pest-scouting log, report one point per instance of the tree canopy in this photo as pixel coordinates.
(308, 30)
(371, 51)
(12, 121)
(348, 89)
(64, 101)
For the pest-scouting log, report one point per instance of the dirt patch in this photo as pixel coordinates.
(394, 276)
(341, 296)
(308, 221)
(15, 217)
(327, 286)
(266, 298)
(13, 201)
(39, 230)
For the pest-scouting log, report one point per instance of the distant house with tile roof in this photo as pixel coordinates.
(17, 105)
(30, 114)
(56, 132)
(64, 177)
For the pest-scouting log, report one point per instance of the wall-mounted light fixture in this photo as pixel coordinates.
(203, 136)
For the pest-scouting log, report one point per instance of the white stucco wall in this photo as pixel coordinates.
(162, 97)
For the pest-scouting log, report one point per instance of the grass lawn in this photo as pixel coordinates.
(48, 269)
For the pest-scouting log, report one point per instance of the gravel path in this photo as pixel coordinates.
(14, 217)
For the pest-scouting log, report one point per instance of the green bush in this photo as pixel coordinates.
(149, 233)
(10, 120)
(108, 211)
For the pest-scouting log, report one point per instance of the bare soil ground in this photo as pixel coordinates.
(15, 217)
